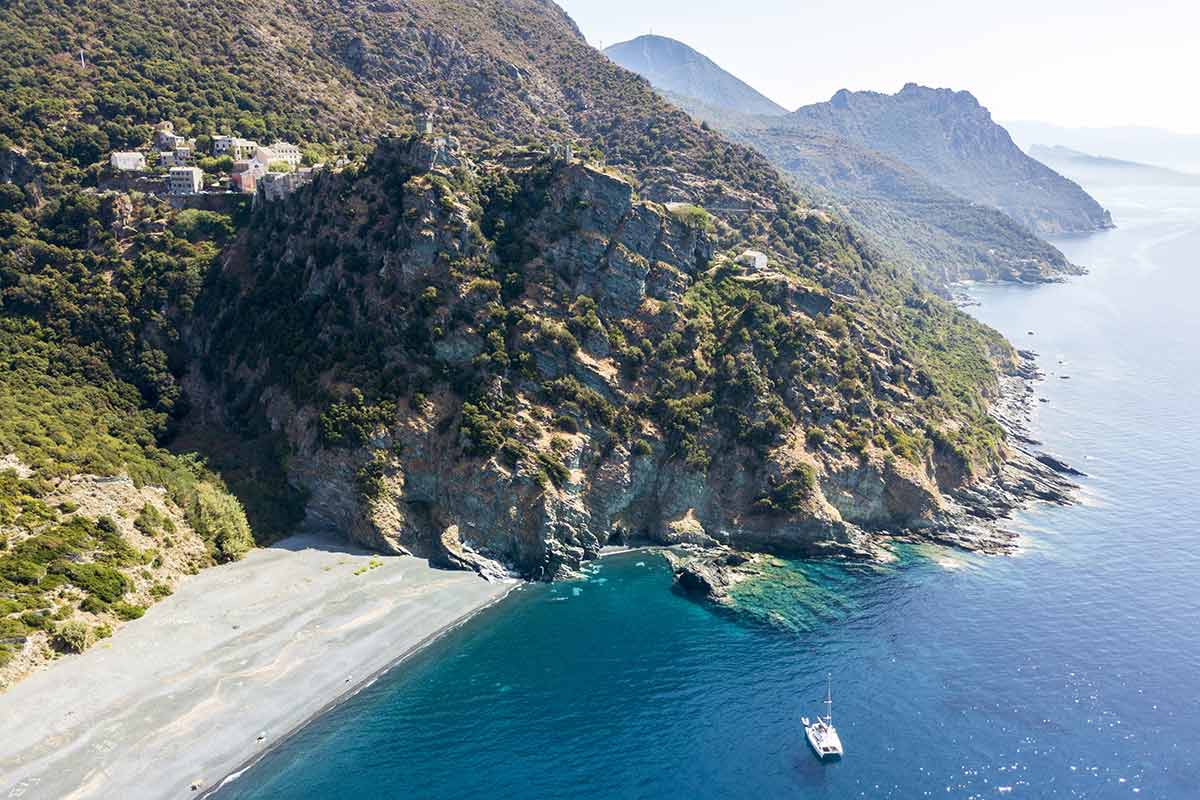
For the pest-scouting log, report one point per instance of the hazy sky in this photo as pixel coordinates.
(1071, 62)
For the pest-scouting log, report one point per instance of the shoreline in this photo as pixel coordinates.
(239, 660)
(237, 772)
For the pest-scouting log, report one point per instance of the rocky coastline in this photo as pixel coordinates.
(975, 518)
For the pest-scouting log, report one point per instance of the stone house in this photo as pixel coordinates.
(185, 180)
(181, 156)
(286, 152)
(424, 123)
(562, 152)
(278, 185)
(245, 174)
(165, 137)
(236, 147)
(753, 259)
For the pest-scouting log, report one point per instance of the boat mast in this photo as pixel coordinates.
(829, 698)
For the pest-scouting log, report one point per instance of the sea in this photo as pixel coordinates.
(1070, 670)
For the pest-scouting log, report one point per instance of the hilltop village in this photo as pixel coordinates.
(218, 164)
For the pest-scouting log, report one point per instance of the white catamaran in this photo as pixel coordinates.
(820, 732)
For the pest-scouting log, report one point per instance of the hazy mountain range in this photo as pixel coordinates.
(1099, 170)
(1180, 151)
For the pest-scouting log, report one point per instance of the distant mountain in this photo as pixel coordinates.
(939, 235)
(950, 138)
(1161, 148)
(1092, 169)
(674, 67)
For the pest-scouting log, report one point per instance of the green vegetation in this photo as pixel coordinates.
(73, 637)
(693, 216)
(790, 494)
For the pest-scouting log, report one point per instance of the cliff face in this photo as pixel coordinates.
(951, 139)
(514, 361)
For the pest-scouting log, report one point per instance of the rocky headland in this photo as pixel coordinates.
(975, 518)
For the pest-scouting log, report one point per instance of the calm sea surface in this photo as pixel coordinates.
(1069, 671)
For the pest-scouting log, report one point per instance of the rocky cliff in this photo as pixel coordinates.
(513, 361)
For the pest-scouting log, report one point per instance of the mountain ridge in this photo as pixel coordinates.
(951, 138)
(940, 236)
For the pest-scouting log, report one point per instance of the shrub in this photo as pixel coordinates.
(93, 605)
(18, 570)
(642, 448)
(73, 637)
(36, 620)
(12, 631)
(553, 470)
(220, 520)
(791, 494)
(103, 581)
(815, 437)
(128, 611)
(693, 216)
(152, 522)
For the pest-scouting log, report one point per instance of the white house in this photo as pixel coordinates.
(240, 149)
(185, 180)
(128, 162)
(286, 152)
(753, 259)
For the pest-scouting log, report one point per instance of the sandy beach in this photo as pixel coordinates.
(224, 669)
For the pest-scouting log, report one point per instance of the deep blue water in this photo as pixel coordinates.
(1069, 671)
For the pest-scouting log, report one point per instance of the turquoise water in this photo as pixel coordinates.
(1069, 671)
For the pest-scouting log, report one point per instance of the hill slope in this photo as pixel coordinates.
(674, 67)
(951, 139)
(943, 237)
